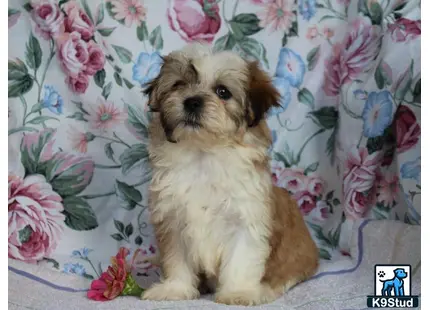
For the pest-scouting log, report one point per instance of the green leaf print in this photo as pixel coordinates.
(305, 96)
(155, 38)
(324, 254)
(226, 42)
(79, 214)
(142, 31)
(245, 24)
(33, 53)
(313, 57)
(136, 155)
(100, 77)
(325, 117)
(128, 195)
(124, 54)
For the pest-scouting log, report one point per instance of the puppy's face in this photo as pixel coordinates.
(211, 96)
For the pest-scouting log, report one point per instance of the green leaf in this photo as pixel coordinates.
(119, 225)
(87, 10)
(305, 96)
(224, 43)
(79, 116)
(142, 32)
(20, 87)
(336, 202)
(324, 254)
(124, 54)
(109, 151)
(11, 12)
(253, 49)
(129, 230)
(30, 154)
(155, 38)
(117, 69)
(106, 31)
(17, 70)
(128, 195)
(417, 92)
(137, 122)
(106, 90)
(19, 129)
(362, 7)
(117, 78)
(311, 168)
(80, 106)
(37, 107)
(325, 117)
(27, 7)
(138, 240)
(331, 142)
(329, 195)
(284, 40)
(375, 144)
(117, 237)
(41, 119)
(376, 13)
(79, 214)
(136, 155)
(325, 17)
(61, 2)
(379, 78)
(100, 14)
(99, 78)
(313, 57)
(245, 24)
(294, 30)
(280, 157)
(127, 83)
(33, 53)
(112, 14)
(403, 84)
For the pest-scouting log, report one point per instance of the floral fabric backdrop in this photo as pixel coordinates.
(347, 134)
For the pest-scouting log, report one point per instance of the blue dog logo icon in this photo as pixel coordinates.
(395, 283)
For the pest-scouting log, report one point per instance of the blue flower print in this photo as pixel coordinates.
(52, 100)
(377, 113)
(81, 253)
(147, 67)
(290, 67)
(284, 88)
(412, 170)
(307, 8)
(74, 269)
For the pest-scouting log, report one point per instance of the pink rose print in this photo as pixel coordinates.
(194, 20)
(48, 17)
(96, 59)
(77, 20)
(388, 189)
(129, 11)
(351, 57)
(404, 29)
(72, 53)
(305, 189)
(35, 220)
(359, 180)
(407, 129)
(78, 84)
(278, 14)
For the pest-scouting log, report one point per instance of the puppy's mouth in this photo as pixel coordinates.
(192, 122)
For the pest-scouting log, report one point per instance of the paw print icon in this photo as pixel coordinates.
(381, 274)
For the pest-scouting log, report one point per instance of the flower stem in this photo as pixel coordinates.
(113, 140)
(299, 154)
(24, 103)
(92, 266)
(107, 166)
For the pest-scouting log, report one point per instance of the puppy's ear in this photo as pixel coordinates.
(262, 95)
(149, 90)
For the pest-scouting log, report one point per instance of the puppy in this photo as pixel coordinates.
(214, 209)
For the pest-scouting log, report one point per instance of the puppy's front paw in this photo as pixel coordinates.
(243, 298)
(170, 290)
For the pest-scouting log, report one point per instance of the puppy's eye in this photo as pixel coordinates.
(222, 92)
(178, 84)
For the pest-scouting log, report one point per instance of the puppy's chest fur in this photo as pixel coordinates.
(212, 199)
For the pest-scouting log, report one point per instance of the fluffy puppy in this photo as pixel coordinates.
(214, 209)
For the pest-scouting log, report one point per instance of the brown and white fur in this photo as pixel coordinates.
(217, 217)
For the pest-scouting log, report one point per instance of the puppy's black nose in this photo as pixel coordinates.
(193, 104)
